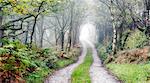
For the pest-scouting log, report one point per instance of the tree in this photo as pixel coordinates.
(65, 24)
(123, 14)
(26, 10)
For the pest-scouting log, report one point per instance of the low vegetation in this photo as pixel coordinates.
(20, 64)
(81, 73)
(130, 66)
(136, 39)
(131, 63)
(103, 53)
(64, 62)
(131, 73)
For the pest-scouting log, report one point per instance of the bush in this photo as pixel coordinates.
(103, 53)
(14, 61)
(135, 40)
(18, 62)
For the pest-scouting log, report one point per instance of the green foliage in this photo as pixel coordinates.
(14, 60)
(131, 73)
(81, 73)
(38, 76)
(26, 7)
(135, 40)
(104, 51)
(19, 60)
(64, 62)
(32, 65)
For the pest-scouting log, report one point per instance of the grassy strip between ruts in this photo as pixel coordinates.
(131, 73)
(81, 73)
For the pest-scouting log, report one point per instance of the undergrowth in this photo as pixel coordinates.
(19, 64)
(131, 73)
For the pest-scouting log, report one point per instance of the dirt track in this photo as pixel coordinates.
(64, 75)
(98, 73)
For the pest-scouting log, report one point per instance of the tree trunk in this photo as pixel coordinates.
(33, 30)
(69, 44)
(70, 30)
(1, 30)
(114, 29)
(75, 35)
(120, 35)
(124, 41)
(114, 38)
(42, 30)
(41, 40)
(26, 34)
(56, 39)
(62, 40)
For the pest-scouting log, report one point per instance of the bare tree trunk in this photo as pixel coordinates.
(56, 38)
(56, 42)
(33, 30)
(1, 30)
(41, 40)
(35, 38)
(26, 34)
(70, 31)
(75, 34)
(34, 25)
(42, 30)
(62, 40)
(114, 39)
(114, 29)
(70, 41)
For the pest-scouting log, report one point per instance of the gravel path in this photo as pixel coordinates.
(98, 73)
(64, 75)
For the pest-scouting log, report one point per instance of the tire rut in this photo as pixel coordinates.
(98, 73)
(64, 75)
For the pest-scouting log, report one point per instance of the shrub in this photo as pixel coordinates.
(135, 40)
(103, 53)
(17, 61)
(13, 63)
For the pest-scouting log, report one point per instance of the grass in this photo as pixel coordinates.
(43, 71)
(81, 73)
(61, 63)
(131, 73)
(64, 62)
(38, 76)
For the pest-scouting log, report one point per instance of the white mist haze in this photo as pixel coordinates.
(88, 28)
(88, 35)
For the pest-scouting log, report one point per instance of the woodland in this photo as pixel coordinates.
(40, 37)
